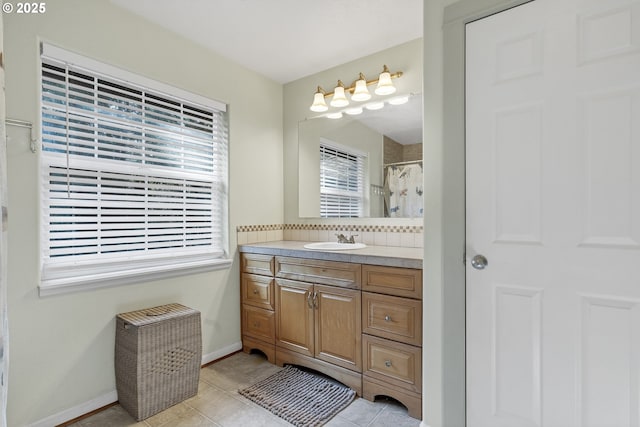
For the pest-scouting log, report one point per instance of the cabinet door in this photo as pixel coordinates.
(338, 326)
(294, 316)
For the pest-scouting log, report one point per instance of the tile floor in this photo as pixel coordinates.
(219, 404)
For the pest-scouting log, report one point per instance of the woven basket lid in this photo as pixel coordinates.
(147, 316)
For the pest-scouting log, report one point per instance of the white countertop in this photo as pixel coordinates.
(376, 255)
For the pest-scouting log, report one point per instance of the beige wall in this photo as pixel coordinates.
(298, 95)
(62, 347)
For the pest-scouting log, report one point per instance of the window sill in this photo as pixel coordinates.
(103, 280)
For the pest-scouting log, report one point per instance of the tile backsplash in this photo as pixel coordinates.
(376, 235)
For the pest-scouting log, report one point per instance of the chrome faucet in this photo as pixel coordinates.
(343, 239)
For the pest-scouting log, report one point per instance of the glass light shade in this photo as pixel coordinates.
(374, 105)
(339, 98)
(385, 85)
(319, 105)
(353, 111)
(337, 115)
(361, 93)
(399, 100)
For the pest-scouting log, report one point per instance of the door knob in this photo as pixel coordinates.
(479, 262)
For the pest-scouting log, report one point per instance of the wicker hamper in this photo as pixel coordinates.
(157, 358)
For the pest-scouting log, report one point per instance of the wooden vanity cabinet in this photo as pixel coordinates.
(258, 304)
(318, 317)
(360, 324)
(392, 335)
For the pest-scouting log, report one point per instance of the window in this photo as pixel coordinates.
(341, 181)
(134, 176)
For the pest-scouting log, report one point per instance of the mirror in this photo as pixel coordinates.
(368, 165)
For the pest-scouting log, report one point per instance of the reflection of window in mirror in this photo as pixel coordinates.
(342, 172)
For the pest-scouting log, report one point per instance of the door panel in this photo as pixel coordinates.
(338, 326)
(553, 203)
(294, 316)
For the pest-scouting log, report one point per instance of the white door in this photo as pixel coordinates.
(553, 203)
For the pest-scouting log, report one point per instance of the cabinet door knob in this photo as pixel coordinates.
(255, 291)
(310, 299)
(387, 318)
(387, 363)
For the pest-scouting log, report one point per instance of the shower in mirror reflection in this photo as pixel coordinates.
(403, 188)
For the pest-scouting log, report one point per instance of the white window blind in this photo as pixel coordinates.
(341, 182)
(134, 180)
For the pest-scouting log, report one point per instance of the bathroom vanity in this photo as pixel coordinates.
(355, 315)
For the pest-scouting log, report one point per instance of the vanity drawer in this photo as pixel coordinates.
(334, 273)
(404, 282)
(395, 363)
(396, 318)
(257, 264)
(259, 323)
(257, 291)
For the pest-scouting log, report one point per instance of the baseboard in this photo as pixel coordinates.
(77, 411)
(112, 396)
(218, 354)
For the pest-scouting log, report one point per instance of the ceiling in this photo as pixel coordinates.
(287, 39)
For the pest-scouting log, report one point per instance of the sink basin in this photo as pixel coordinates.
(334, 246)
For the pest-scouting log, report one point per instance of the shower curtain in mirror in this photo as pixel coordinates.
(403, 190)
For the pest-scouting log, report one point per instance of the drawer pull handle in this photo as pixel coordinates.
(255, 291)
(387, 318)
(387, 363)
(256, 324)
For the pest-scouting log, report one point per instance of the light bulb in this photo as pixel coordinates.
(339, 98)
(353, 111)
(385, 85)
(361, 93)
(374, 105)
(399, 100)
(319, 105)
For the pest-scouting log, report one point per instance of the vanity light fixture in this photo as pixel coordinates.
(385, 85)
(339, 98)
(358, 90)
(319, 105)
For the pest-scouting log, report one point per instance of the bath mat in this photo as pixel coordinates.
(301, 398)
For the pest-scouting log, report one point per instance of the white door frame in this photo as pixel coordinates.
(449, 225)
